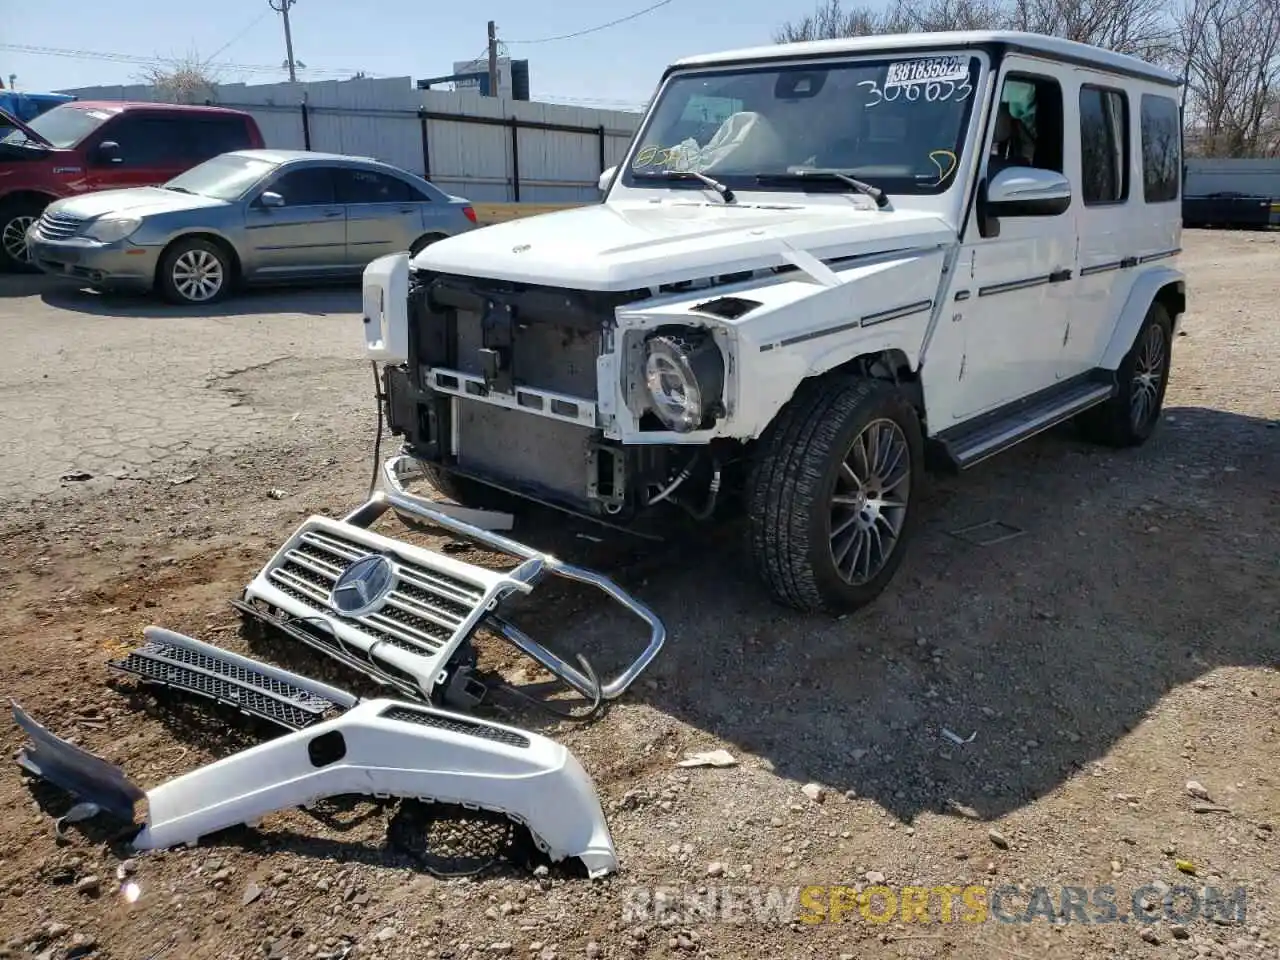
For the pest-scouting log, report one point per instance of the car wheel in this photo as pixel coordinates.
(1129, 418)
(15, 218)
(194, 272)
(423, 242)
(830, 493)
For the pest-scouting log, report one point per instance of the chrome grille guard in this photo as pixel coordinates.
(435, 602)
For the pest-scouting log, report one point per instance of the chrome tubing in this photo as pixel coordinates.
(398, 498)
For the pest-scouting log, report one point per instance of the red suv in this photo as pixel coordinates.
(86, 145)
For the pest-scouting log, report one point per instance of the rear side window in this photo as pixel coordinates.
(1161, 148)
(1104, 145)
(310, 186)
(160, 140)
(368, 186)
(207, 137)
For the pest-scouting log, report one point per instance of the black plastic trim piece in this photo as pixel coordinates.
(1011, 286)
(455, 724)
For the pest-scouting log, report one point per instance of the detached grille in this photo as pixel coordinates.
(58, 226)
(421, 615)
(460, 725)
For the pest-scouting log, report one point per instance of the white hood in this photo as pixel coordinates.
(627, 246)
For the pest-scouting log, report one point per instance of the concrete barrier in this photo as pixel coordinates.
(490, 213)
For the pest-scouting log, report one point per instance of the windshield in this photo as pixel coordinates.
(899, 124)
(224, 177)
(63, 126)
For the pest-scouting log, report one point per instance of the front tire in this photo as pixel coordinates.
(16, 217)
(830, 494)
(467, 492)
(195, 272)
(1129, 418)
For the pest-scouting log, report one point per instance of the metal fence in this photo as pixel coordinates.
(488, 149)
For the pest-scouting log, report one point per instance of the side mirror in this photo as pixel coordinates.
(271, 199)
(109, 152)
(1027, 192)
(605, 179)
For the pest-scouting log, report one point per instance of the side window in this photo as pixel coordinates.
(1104, 146)
(208, 137)
(368, 186)
(1028, 128)
(310, 186)
(1161, 149)
(144, 141)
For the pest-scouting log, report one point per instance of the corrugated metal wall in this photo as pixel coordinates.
(381, 118)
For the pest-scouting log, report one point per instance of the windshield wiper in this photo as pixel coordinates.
(875, 193)
(725, 193)
(179, 190)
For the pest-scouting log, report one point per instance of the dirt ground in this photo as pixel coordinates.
(1122, 645)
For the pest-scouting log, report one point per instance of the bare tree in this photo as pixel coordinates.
(185, 80)
(1231, 61)
(830, 20)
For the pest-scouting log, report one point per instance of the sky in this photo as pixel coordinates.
(109, 43)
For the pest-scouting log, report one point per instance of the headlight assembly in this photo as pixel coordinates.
(684, 371)
(113, 229)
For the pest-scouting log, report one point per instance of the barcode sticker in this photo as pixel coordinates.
(927, 70)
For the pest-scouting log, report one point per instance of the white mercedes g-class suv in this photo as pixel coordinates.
(818, 267)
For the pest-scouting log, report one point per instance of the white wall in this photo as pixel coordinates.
(379, 118)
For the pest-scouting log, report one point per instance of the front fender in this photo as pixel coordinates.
(1144, 290)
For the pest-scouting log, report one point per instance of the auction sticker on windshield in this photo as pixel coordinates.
(927, 70)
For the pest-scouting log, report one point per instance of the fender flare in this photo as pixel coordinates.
(1145, 289)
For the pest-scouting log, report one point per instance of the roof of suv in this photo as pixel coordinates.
(1052, 48)
(120, 106)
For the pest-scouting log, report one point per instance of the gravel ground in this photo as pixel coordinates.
(1111, 671)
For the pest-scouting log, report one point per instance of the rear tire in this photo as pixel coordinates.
(195, 272)
(831, 493)
(16, 216)
(1130, 417)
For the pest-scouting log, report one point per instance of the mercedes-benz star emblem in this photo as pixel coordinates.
(362, 586)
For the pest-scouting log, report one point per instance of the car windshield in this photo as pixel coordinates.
(224, 177)
(897, 123)
(63, 126)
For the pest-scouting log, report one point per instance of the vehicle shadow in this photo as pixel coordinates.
(24, 284)
(1124, 580)
(318, 300)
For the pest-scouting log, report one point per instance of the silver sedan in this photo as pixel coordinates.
(250, 216)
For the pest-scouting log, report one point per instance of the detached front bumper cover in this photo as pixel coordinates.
(381, 748)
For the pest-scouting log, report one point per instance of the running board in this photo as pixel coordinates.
(182, 663)
(971, 443)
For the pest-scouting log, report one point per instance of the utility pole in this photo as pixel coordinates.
(283, 10)
(493, 59)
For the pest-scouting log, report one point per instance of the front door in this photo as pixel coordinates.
(1019, 277)
(307, 236)
(383, 214)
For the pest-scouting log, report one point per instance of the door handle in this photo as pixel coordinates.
(408, 210)
(1058, 276)
(333, 213)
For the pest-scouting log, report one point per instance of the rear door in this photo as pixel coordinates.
(305, 237)
(384, 214)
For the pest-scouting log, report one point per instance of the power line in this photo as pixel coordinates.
(596, 29)
(148, 61)
(213, 56)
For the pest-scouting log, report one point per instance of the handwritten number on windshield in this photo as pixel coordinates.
(934, 91)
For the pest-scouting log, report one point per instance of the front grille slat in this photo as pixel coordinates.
(422, 614)
(58, 226)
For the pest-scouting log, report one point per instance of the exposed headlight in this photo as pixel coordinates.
(684, 372)
(111, 230)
